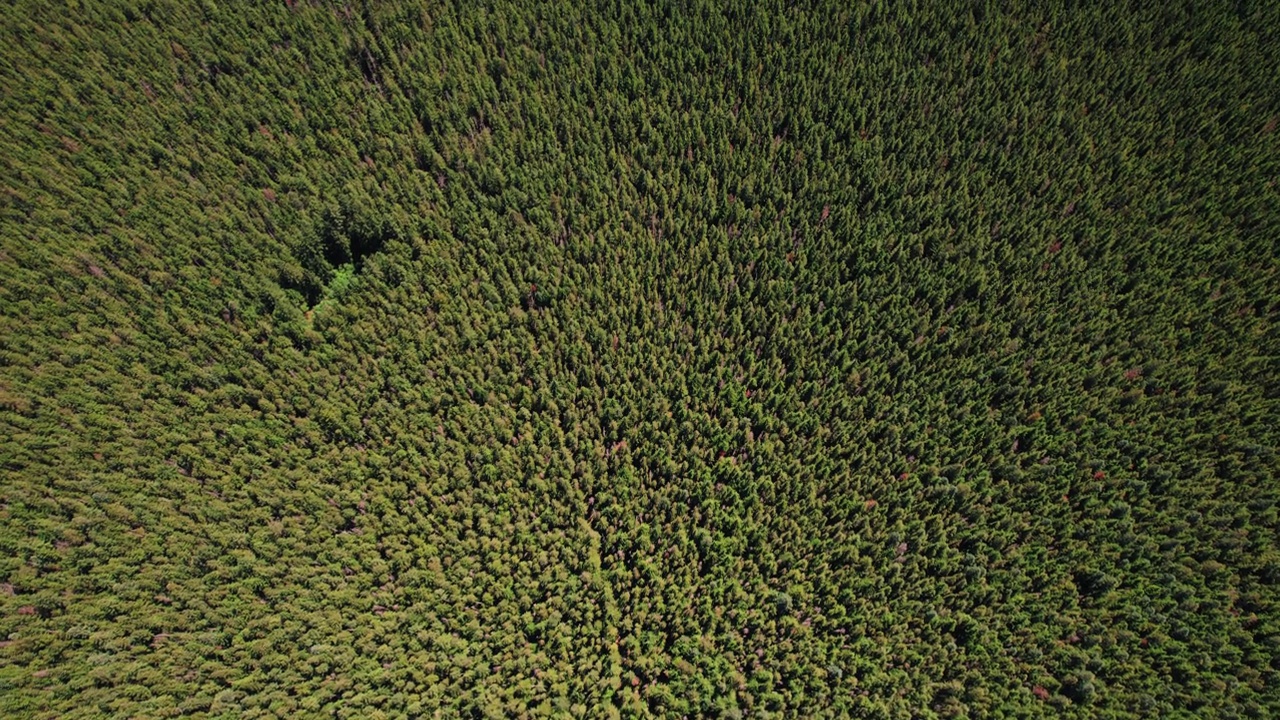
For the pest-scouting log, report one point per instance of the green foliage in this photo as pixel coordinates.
(747, 360)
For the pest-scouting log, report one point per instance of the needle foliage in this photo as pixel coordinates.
(686, 359)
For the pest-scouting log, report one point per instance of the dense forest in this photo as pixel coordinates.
(686, 359)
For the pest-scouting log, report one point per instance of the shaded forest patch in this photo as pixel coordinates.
(335, 251)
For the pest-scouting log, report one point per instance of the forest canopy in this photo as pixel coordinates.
(741, 360)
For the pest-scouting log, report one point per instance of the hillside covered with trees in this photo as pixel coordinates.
(740, 360)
